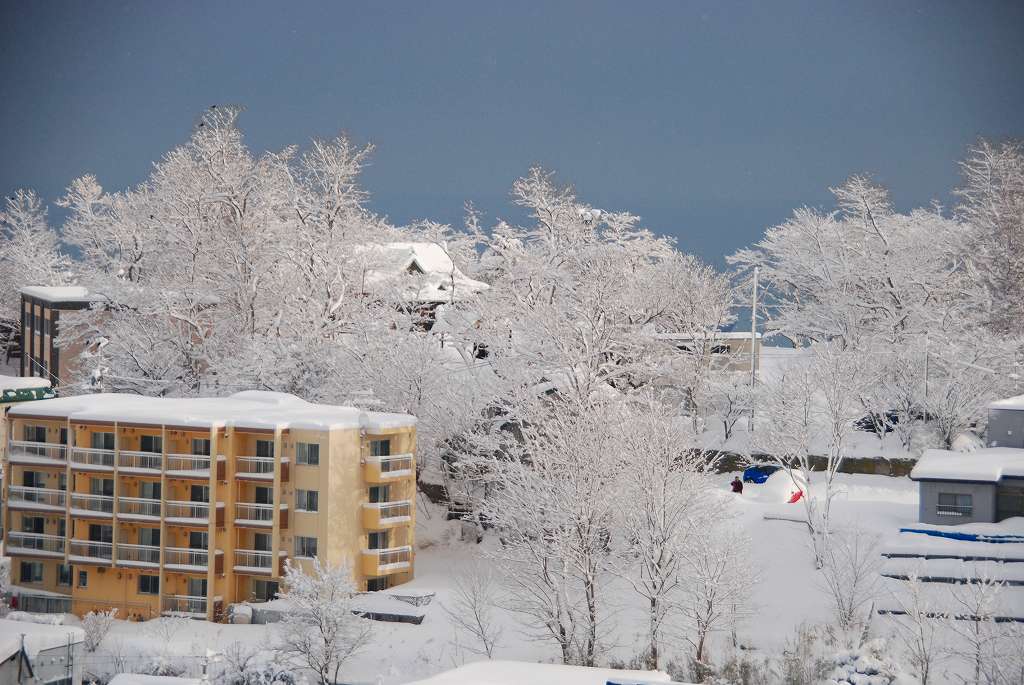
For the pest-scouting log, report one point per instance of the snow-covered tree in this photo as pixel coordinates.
(850, 577)
(992, 207)
(29, 253)
(920, 626)
(319, 631)
(476, 598)
(96, 625)
(976, 604)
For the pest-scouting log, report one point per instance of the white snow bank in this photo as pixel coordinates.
(249, 409)
(139, 679)
(990, 465)
(517, 672)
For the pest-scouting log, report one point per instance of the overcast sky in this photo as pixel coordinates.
(710, 120)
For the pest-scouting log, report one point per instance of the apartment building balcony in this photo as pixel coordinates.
(259, 563)
(252, 515)
(144, 463)
(196, 466)
(192, 513)
(260, 468)
(34, 545)
(386, 469)
(92, 506)
(187, 606)
(91, 459)
(90, 552)
(379, 562)
(187, 560)
(37, 499)
(145, 556)
(36, 453)
(377, 515)
(138, 509)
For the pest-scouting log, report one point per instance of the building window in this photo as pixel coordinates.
(62, 481)
(264, 590)
(151, 443)
(149, 585)
(261, 542)
(64, 574)
(380, 448)
(721, 349)
(101, 486)
(149, 537)
(265, 448)
(304, 546)
(377, 540)
(33, 524)
(198, 539)
(307, 500)
(101, 441)
(377, 584)
(307, 453)
(31, 572)
(35, 433)
(63, 436)
(954, 504)
(83, 579)
(263, 495)
(149, 490)
(33, 479)
(201, 446)
(200, 493)
(380, 493)
(62, 527)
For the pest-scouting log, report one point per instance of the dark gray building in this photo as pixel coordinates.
(1006, 423)
(986, 485)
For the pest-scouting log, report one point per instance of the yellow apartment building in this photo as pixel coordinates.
(183, 506)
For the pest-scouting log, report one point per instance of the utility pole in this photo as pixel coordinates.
(753, 348)
(926, 372)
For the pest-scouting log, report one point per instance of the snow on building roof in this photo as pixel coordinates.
(423, 272)
(714, 335)
(516, 672)
(22, 382)
(67, 293)
(39, 637)
(24, 388)
(255, 409)
(1016, 403)
(987, 465)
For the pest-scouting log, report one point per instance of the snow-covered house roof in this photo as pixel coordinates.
(986, 465)
(516, 672)
(1013, 403)
(141, 679)
(715, 335)
(57, 294)
(418, 272)
(39, 637)
(23, 388)
(252, 409)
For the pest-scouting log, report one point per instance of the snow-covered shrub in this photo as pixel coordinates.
(803, 658)
(96, 625)
(868, 665)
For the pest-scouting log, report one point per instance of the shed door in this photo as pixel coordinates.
(1009, 502)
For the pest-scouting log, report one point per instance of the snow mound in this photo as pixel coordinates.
(778, 488)
(968, 441)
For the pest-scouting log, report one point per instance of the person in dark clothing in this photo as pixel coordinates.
(737, 485)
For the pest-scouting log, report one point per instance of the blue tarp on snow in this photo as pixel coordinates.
(967, 537)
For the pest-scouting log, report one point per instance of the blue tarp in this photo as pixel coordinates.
(967, 537)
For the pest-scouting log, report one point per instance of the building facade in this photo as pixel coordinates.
(41, 309)
(183, 506)
(984, 486)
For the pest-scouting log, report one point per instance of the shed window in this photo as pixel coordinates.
(954, 504)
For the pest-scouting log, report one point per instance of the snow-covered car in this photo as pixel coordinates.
(758, 473)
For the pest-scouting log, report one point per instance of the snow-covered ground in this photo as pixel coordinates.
(788, 595)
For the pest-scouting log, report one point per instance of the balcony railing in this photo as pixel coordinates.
(36, 450)
(252, 558)
(36, 497)
(99, 504)
(35, 542)
(92, 458)
(138, 506)
(181, 463)
(376, 514)
(263, 513)
(188, 510)
(260, 467)
(378, 561)
(138, 554)
(140, 461)
(385, 468)
(183, 556)
(184, 605)
(954, 510)
(92, 550)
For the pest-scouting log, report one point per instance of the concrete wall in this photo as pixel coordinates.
(983, 495)
(1006, 428)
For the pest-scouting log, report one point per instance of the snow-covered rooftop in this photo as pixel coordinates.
(716, 335)
(140, 679)
(38, 636)
(989, 465)
(254, 409)
(423, 272)
(1009, 403)
(516, 672)
(66, 293)
(22, 382)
